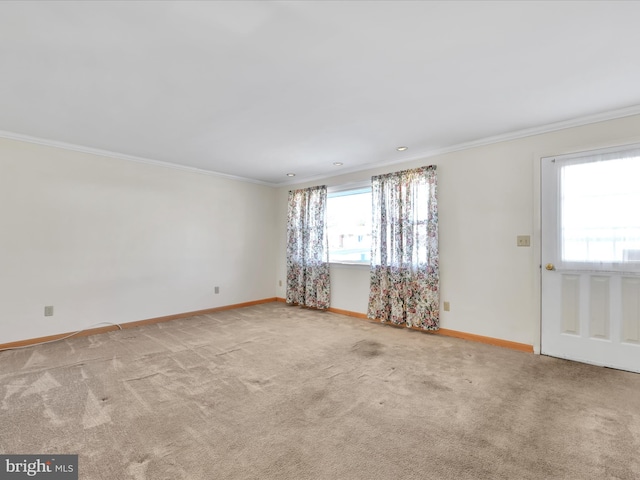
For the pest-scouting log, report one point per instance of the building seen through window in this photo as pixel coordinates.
(349, 226)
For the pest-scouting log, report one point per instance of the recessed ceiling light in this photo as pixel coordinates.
(291, 174)
(338, 164)
(402, 149)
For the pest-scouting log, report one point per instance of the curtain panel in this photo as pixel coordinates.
(404, 249)
(307, 248)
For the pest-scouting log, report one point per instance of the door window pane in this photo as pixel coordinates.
(600, 211)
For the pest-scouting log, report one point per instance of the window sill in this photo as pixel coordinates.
(361, 266)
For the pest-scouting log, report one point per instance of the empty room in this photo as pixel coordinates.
(319, 240)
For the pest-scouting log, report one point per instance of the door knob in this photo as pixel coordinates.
(550, 266)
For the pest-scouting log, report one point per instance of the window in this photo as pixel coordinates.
(599, 220)
(349, 226)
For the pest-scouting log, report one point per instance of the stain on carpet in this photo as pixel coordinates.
(367, 348)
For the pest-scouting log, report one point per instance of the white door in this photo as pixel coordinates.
(591, 257)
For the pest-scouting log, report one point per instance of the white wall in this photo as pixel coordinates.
(108, 240)
(487, 196)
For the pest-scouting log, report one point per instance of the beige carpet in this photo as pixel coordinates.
(278, 392)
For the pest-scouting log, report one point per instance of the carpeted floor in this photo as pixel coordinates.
(278, 392)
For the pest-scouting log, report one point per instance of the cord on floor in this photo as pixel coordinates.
(63, 338)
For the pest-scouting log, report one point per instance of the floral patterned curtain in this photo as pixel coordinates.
(404, 249)
(307, 248)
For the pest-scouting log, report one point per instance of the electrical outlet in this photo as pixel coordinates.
(48, 311)
(447, 306)
(279, 283)
(524, 240)
(216, 290)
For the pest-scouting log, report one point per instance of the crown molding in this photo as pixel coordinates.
(122, 156)
(514, 135)
(548, 128)
(505, 137)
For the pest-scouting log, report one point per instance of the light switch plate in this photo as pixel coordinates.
(524, 240)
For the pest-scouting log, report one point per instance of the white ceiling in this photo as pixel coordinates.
(260, 89)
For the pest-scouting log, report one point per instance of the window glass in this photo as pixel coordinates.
(349, 226)
(600, 205)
